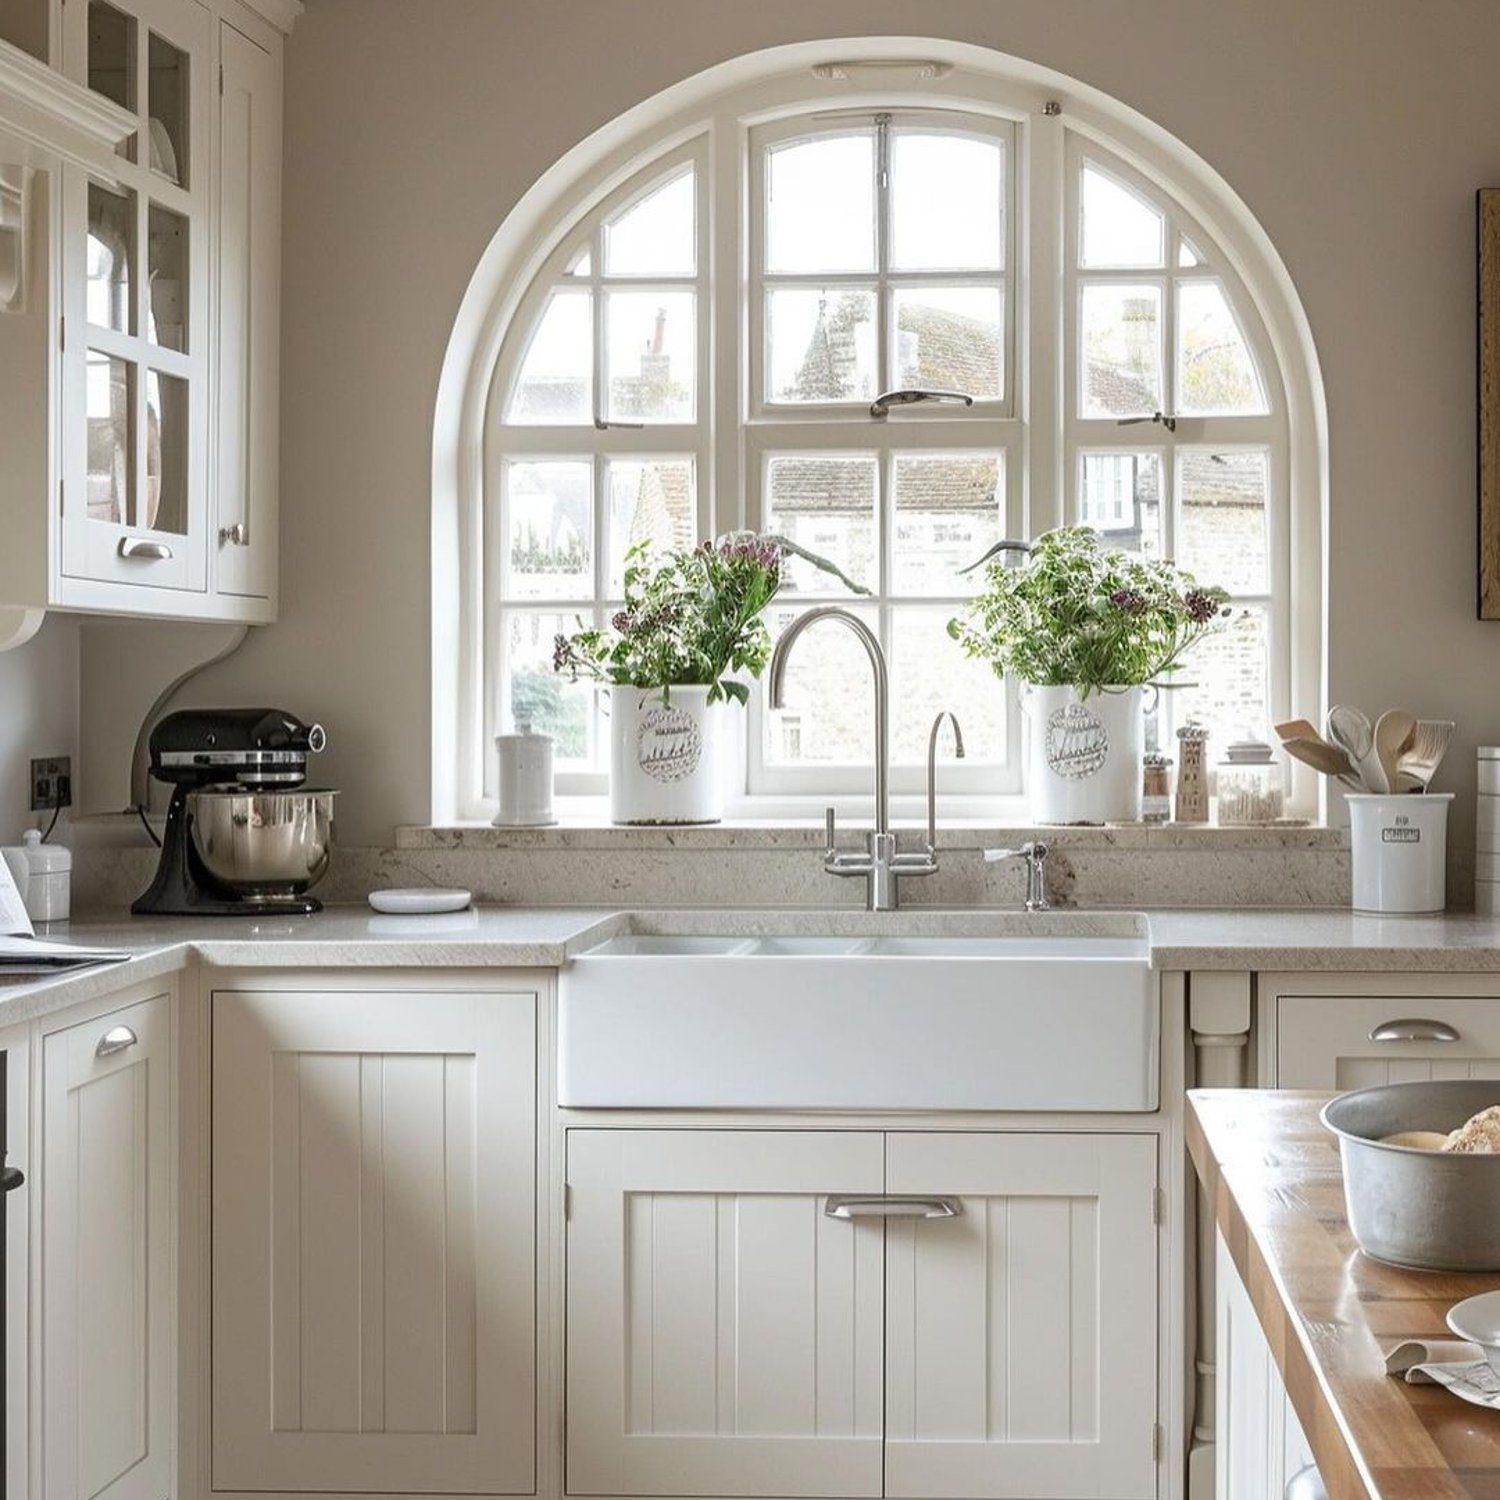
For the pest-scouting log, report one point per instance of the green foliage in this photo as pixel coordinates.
(1077, 615)
(691, 618)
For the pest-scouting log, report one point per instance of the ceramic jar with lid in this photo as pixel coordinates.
(525, 778)
(43, 874)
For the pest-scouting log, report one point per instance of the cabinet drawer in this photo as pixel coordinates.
(1336, 1041)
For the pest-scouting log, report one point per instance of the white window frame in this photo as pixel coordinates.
(713, 114)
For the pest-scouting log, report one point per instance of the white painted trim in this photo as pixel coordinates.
(766, 85)
(40, 105)
(282, 14)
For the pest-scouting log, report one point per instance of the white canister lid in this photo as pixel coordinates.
(45, 859)
(524, 734)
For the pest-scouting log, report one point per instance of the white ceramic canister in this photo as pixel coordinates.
(666, 761)
(1083, 761)
(525, 779)
(1399, 848)
(44, 876)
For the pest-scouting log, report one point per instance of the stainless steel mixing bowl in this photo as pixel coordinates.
(263, 844)
(1431, 1210)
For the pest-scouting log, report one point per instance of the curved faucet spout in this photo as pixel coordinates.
(776, 690)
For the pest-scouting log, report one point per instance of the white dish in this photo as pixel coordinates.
(1478, 1320)
(422, 902)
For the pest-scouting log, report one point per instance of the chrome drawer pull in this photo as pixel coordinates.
(144, 549)
(116, 1039)
(1415, 1030)
(237, 535)
(890, 1206)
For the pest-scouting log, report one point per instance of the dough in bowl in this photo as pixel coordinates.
(1420, 1140)
(1479, 1136)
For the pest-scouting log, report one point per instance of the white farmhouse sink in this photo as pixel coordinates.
(1050, 1022)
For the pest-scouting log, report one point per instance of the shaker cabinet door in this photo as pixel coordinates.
(108, 1394)
(1021, 1335)
(724, 1333)
(374, 1242)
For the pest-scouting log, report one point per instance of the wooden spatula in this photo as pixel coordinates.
(1322, 756)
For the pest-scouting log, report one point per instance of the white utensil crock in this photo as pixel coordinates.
(1399, 849)
(1083, 759)
(665, 763)
(525, 779)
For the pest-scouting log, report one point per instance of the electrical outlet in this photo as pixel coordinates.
(51, 783)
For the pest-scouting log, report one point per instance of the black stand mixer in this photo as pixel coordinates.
(242, 838)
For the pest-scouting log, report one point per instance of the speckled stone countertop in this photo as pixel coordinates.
(520, 937)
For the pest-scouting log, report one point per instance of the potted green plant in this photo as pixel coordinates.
(691, 631)
(1086, 629)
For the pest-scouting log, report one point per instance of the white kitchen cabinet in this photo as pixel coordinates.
(15, 1214)
(374, 1241)
(724, 1334)
(108, 1398)
(1021, 1344)
(1355, 1041)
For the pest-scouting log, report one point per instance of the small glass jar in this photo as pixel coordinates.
(1156, 787)
(1251, 786)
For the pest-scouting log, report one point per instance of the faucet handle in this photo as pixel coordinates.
(1031, 851)
(830, 838)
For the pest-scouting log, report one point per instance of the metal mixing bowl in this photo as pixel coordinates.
(262, 844)
(1430, 1210)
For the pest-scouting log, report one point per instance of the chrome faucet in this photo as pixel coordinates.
(881, 864)
(1033, 854)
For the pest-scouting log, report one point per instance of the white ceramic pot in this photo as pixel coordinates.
(1083, 756)
(1398, 846)
(665, 763)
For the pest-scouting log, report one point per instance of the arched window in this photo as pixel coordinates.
(692, 331)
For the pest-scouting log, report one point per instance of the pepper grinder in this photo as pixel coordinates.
(1192, 774)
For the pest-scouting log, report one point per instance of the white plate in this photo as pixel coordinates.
(1478, 1320)
(421, 902)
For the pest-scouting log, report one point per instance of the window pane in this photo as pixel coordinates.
(109, 387)
(1229, 671)
(654, 236)
(820, 204)
(828, 506)
(556, 383)
(1121, 350)
(109, 258)
(582, 264)
(951, 338)
(652, 356)
(550, 529)
(1119, 229)
(1222, 539)
(166, 277)
(829, 714)
(929, 674)
(1187, 255)
(533, 693)
(1215, 374)
(821, 345)
(167, 100)
(1119, 495)
(948, 510)
(947, 202)
(650, 500)
(166, 453)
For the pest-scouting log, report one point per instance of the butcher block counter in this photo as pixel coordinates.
(1329, 1313)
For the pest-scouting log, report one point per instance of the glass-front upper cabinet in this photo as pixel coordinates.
(136, 310)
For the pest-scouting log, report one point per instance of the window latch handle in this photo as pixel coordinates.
(880, 407)
(603, 424)
(1169, 422)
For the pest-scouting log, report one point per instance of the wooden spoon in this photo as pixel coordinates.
(1395, 730)
(1322, 756)
(1298, 729)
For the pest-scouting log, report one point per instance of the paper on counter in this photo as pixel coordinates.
(1455, 1363)
(13, 919)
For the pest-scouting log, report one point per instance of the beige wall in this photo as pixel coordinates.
(1357, 132)
(38, 716)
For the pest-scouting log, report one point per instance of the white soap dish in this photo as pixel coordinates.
(419, 903)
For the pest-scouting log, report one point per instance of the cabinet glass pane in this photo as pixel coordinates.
(111, 60)
(167, 103)
(948, 508)
(551, 526)
(653, 356)
(951, 338)
(820, 345)
(166, 271)
(947, 193)
(826, 504)
(651, 500)
(109, 258)
(166, 453)
(654, 236)
(556, 383)
(820, 204)
(109, 406)
(1121, 362)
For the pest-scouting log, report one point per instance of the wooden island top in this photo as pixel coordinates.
(1330, 1313)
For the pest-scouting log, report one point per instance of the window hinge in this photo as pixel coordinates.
(221, 80)
(567, 1201)
(62, 333)
(1158, 1442)
(62, 504)
(1158, 1206)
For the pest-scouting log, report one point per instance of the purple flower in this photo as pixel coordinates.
(1201, 607)
(621, 621)
(1131, 601)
